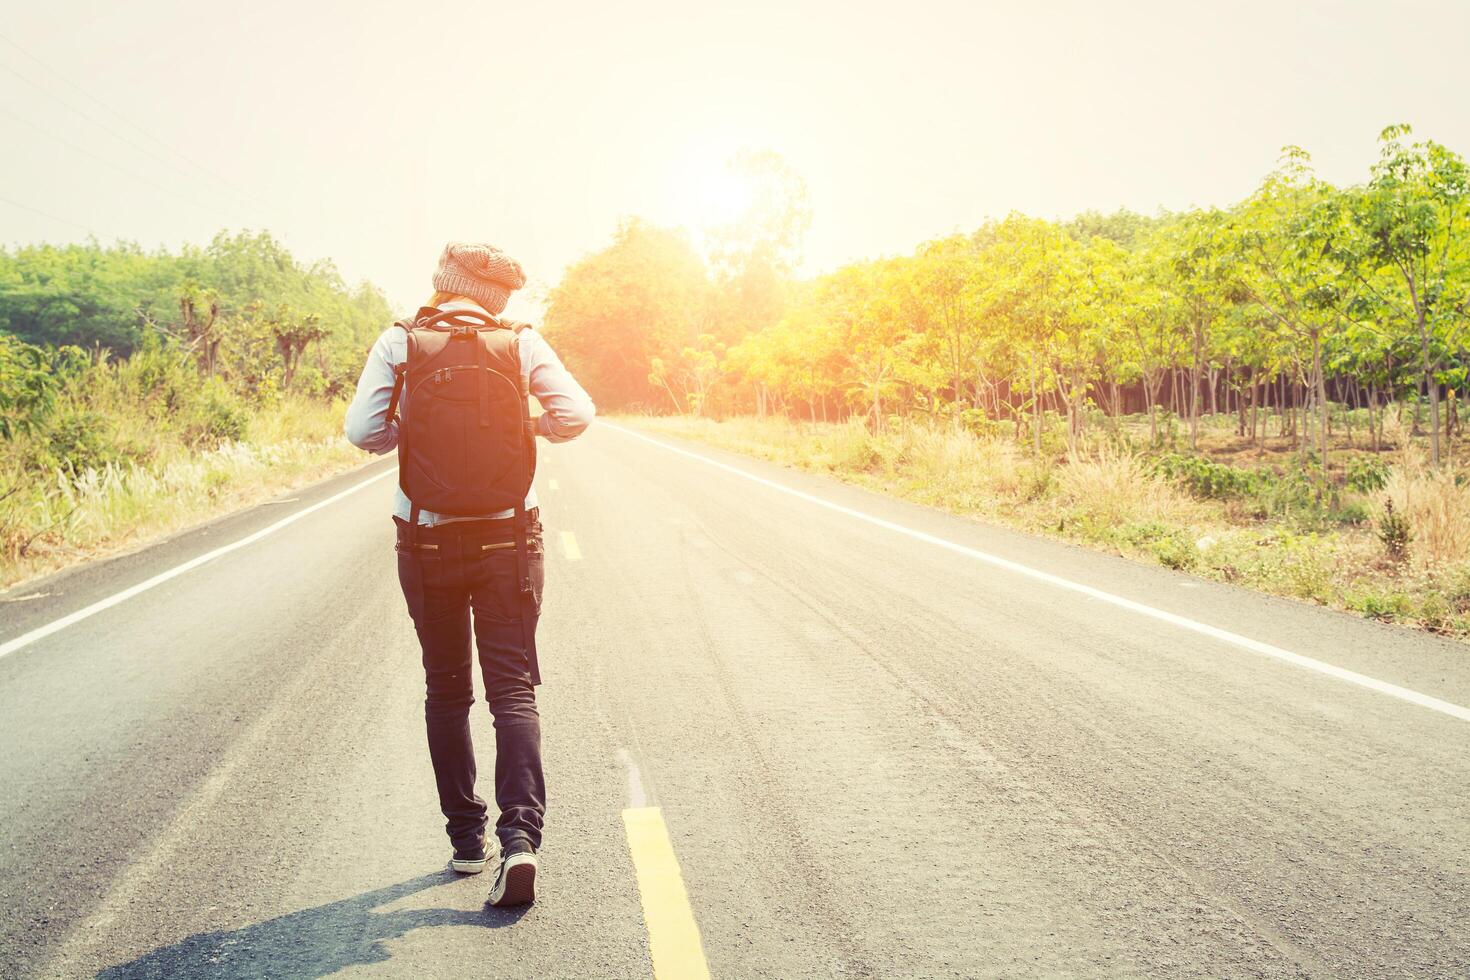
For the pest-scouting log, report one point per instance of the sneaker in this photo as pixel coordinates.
(469, 860)
(515, 883)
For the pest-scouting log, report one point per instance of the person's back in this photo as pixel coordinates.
(474, 575)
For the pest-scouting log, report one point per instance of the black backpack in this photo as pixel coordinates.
(466, 443)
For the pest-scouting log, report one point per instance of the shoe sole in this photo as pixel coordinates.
(466, 867)
(520, 884)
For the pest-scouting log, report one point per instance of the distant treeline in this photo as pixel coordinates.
(112, 356)
(231, 304)
(1303, 294)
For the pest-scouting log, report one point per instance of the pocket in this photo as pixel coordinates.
(417, 573)
(537, 568)
(497, 579)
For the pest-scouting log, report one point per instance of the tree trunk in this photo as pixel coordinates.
(1035, 407)
(1321, 394)
(1194, 392)
(1258, 392)
(1433, 390)
(1240, 416)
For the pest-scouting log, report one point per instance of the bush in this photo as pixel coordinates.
(1394, 531)
(1298, 493)
(80, 440)
(1366, 474)
(1299, 565)
(1207, 479)
(1389, 607)
(979, 424)
(1351, 512)
(1434, 507)
(32, 381)
(1175, 550)
(219, 417)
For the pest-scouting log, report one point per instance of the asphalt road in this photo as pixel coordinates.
(874, 755)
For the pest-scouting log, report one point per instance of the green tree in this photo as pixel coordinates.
(1410, 223)
(645, 295)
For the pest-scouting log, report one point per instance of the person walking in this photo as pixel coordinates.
(448, 389)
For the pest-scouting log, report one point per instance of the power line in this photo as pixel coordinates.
(75, 87)
(47, 214)
(161, 188)
(89, 118)
(243, 195)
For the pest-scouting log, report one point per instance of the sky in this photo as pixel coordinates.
(372, 133)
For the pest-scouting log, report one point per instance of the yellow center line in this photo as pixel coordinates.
(673, 936)
(569, 546)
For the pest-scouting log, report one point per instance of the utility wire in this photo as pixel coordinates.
(47, 214)
(247, 196)
(89, 118)
(161, 188)
(111, 130)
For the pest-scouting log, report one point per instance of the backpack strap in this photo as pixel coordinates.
(431, 318)
(400, 371)
(482, 355)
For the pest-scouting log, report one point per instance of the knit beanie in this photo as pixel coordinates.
(482, 272)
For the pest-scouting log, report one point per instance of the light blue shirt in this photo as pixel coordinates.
(566, 408)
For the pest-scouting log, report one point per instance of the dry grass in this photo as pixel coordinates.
(47, 525)
(1115, 487)
(1436, 504)
(1111, 497)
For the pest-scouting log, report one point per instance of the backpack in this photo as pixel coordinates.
(466, 443)
(466, 446)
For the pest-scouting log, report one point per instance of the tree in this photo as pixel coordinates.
(1279, 238)
(293, 333)
(645, 295)
(1410, 222)
(1198, 260)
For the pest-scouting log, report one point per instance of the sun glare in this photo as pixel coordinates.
(714, 195)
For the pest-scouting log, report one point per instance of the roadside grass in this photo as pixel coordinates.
(1380, 533)
(146, 480)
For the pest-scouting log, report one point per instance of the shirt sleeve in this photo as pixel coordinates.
(567, 409)
(367, 426)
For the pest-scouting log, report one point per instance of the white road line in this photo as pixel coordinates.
(551, 482)
(569, 546)
(636, 795)
(1056, 581)
(41, 632)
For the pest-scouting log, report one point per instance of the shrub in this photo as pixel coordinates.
(1366, 474)
(1435, 507)
(1300, 565)
(1393, 530)
(81, 440)
(1205, 478)
(1351, 512)
(219, 417)
(32, 380)
(1297, 494)
(1175, 550)
(1394, 605)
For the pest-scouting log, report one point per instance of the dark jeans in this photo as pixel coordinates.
(449, 572)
